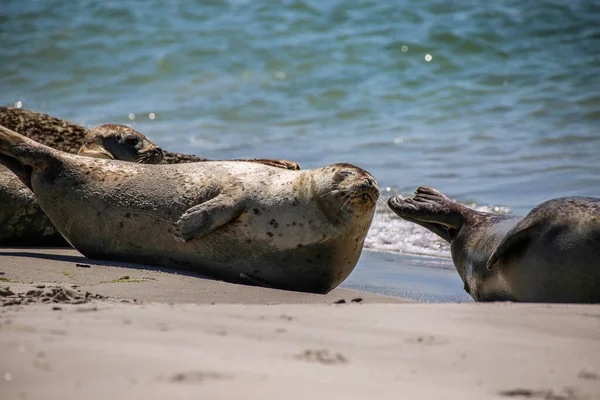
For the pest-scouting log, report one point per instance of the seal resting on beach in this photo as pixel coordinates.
(550, 255)
(67, 136)
(23, 223)
(236, 221)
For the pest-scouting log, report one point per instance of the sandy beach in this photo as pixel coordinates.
(26, 267)
(72, 327)
(495, 104)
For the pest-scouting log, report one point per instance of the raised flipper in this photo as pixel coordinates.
(432, 210)
(208, 216)
(22, 155)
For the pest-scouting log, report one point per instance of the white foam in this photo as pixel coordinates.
(390, 233)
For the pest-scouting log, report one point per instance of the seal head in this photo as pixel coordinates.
(120, 142)
(351, 192)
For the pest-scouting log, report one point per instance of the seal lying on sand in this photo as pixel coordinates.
(67, 136)
(550, 255)
(23, 223)
(297, 230)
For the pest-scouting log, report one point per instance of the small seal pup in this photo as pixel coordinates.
(550, 255)
(23, 223)
(237, 221)
(67, 136)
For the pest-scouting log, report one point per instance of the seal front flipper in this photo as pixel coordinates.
(514, 242)
(22, 155)
(208, 216)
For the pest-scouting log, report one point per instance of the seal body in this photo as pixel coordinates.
(22, 221)
(550, 255)
(241, 222)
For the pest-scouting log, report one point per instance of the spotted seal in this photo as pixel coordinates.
(237, 221)
(67, 136)
(550, 255)
(23, 223)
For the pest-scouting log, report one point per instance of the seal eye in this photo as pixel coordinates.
(345, 174)
(132, 141)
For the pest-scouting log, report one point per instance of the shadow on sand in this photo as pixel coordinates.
(80, 259)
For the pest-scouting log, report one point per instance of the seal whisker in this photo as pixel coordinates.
(347, 195)
(346, 202)
(332, 191)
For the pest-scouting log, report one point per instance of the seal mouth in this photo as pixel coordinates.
(357, 186)
(369, 196)
(153, 156)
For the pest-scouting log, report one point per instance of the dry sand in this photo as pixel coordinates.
(61, 338)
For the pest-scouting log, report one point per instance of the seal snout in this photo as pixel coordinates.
(153, 155)
(158, 154)
(369, 190)
(364, 187)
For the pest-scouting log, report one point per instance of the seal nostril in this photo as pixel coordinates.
(370, 181)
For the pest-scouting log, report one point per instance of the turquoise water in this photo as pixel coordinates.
(494, 103)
